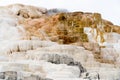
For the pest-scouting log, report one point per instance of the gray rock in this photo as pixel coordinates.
(58, 59)
(2, 75)
(63, 59)
(82, 69)
(55, 11)
(32, 77)
(91, 76)
(35, 77)
(47, 79)
(10, 75)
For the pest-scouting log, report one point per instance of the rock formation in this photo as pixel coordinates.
(41, 44)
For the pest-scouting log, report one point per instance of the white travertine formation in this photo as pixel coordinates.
(25, 59)
(27, 11)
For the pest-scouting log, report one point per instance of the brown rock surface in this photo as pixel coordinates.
(69, 27)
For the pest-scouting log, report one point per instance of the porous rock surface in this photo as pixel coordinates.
(41, 44)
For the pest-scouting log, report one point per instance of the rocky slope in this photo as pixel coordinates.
(41, 44)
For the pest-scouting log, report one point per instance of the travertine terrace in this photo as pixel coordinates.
(41, 44)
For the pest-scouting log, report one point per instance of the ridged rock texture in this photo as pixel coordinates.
(54, 44)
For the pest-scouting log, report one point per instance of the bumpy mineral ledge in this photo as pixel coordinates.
(41, 44)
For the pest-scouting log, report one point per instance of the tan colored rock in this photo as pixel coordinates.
(69, 27)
